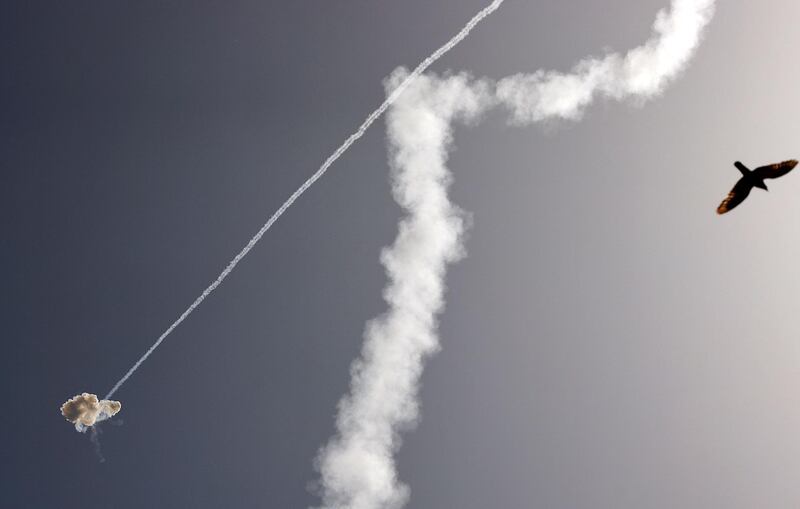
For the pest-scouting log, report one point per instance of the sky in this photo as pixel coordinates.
(608, 341)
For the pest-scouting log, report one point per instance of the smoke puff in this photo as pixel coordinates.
(85, 410)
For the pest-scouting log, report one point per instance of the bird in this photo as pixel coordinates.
(751, 179)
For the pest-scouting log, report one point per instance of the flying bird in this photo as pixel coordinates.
(751, 179)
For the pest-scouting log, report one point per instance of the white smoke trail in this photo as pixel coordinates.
(356, 466)
(436, 55)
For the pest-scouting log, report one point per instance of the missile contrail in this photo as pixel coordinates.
(357, 466)
(436, 55)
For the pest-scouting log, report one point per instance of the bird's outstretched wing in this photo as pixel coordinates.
(735, 197)
(773, 171)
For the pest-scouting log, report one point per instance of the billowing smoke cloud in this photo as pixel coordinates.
(357, 467)
(85, 410)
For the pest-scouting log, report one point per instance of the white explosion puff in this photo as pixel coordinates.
(85, 410)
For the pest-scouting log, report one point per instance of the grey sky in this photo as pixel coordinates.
(609, 341)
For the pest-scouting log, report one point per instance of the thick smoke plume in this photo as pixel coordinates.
(357, 466)
(85, 410)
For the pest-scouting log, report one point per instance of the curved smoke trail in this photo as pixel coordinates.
(357, 466)
(313, 178)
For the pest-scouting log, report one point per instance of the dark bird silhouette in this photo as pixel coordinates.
(751, 179)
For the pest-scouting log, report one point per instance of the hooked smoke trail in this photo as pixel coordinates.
(356, 466)
(436, 55)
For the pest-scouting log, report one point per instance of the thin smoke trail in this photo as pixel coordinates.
(94, 438)
(316, 176)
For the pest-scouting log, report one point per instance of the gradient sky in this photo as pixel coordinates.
(608, 343)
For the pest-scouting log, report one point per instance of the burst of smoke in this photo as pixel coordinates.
(85, 410)
(356, 466)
